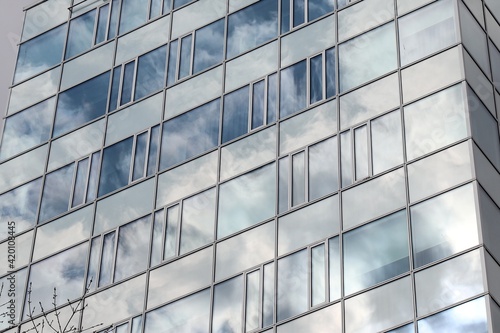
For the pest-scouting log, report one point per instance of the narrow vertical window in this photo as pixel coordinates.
(258, 104)
(115, 88)
(298, 12)
(272, 97)
(283, 185)
(108, 247)
(316, 79)
(235, 117)
(361, 152)
(185, 61)
(298, 179)
(172, 63)
(128, 81)
(346, 158)
(140, 156)
(93, 174)
(170, 248)
(330, 73)
(252, 301)
(80, 182)
(102, 23)
(318, 275)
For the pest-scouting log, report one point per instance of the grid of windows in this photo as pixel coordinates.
(257, 166)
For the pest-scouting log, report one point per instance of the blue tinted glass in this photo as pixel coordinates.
(285, 16)
(20, 205)
(292, 285)
(128, 78)
(102, 23)
(190, 134)
(81, 33)
(172, 62)
(155, 9)
(185, 61)
(317, 8)
(81, 180)
(115, 168)
(94, 169)
(56, 192)
(167, 5)
(272, 98)
(293, 94)
(40, 53)
(151, 72)
(178, 3)
(140, 156)
(134, 14)
(153, 150)
(208, 46)
(81, 104)
(258, 104)
(113, 20)
(228, 305)
(298, 12)
(316, 79)
(252, 26)
(27, 129)
(235, 116)
(330, 73)
(115, 87)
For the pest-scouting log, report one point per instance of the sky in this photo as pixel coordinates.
(11, 23)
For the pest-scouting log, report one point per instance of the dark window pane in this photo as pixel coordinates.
(252, 26)
(115, 87)
(172, 63)
(113, 20)
(150, 72)
(298, 12)
(140, 156)
(56, 192)
(330, 73)
(208, 46)
(115, 166)
(190, 134)
(40, 53)
(101, 25)
(134, 13)
(185, 61)
(27, 129)
(81, 180)
(285, 16)
(293, 93)
(167, 6)
(81, 104)
(107, 258)
(316, 79)
(178, 3)
(317, 8)
(235, 116)
(81, 34)
(258, 104)
(128, 80)
(272, 97)
(153, 150)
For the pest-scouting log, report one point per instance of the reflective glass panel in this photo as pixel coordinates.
(127, 83)
(258, 104)
(331, 83)
(334, 267)
(326, 320)
(140, 156)
(81, 34)
(252, 301)
(298, 179)
(317, 8)
(190, 134)
(318, 275)
(386, 140)
(323, 168)
(426, 31)
(292, 285)
(185, 60)
(172, 62)
(284, 167)
(252, 26)
(107, 255)
(246, 200)
(150, 72)
(40, 53)
(198, 216)
(80, 182)
(153, 150)
(444, 225)
(208, 46)
(81, 104)
(272, 98)
(346, 158)
(133, 14)
(361, 152)
(366, 57)
(56, 192)
(298, 12)
(285, 16)
(157, 239)
(102, 23)
(316, 79)
(27, 129)
(187, 315)
(268, 295)
(115, 169)
(293, 89)
(368, 260)
(170, 247)
(228, 304)
(235, 116)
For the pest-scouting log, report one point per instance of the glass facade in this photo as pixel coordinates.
(230, 166)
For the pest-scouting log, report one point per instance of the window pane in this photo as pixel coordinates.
(292, 285)
(172, 63)
(170, 249)
(40, 53)
(268, 296)
(150, 72)
(298, 12)
(298, 179)
(80, 182)
(115, 87)
(198, 216)
(157, 239)
(102, 23)
(81, 104)
(228, 304)
(284, 166)
(319, 8)
(293, 89)
(285, 16)
(56, 192)
(272, 98)
(258, 104)
(346, 158)
(153, 150)
(318, 274)
(334, 267)
(252, 26)
(108, 248)
(81, 34)
(94, 169)
(252, 301)
(323, 168)
(134, 13)
(316, 79)
(27, 128)
(113, 20)
(366, 57)
(128, 82)
(331, 84)
(368, 260)
(140, 156)
(361, 152)
(235, 117)
(426, 31)
(208, 46)
(133, 248)
(387, 144)
(185, 61)
(246, 200)
(190, 134)
(444, 225)
(115, 168)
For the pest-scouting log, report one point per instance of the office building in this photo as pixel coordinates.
(256, 166)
